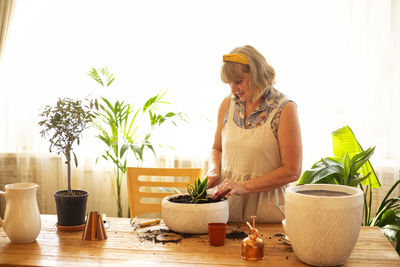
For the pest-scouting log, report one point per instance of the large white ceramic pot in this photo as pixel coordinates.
(323, 222)
(193, 218)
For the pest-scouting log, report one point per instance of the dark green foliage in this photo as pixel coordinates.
(344, 171)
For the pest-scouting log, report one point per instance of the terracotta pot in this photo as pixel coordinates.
(323, 222)
(216, 233)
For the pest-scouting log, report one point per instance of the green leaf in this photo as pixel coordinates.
(385, 205)
(391, 231)
(388, 194)
(388, 217)
(123, 149)
(149, 103)
(356, 181)
(170, 114)
(361, 158)
(320, 173)
(344, 140)
(75, 159)
(346, 169)
(95, 75)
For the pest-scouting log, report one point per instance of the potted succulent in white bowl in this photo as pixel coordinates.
(63, 125)
(190, 213)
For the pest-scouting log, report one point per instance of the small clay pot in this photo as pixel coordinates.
(216, 233)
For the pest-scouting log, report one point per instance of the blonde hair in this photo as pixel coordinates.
(261, 74)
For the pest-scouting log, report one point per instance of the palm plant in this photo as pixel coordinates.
(118, 126)
(198, 191)
(344, 170)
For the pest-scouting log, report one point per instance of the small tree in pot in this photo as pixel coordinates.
(63, 125)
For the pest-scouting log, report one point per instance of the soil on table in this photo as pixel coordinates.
(236, 235)
(160, 236)
(164, 236)
(186, 199)
(282, 240)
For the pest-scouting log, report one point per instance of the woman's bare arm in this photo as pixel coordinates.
(214, 175)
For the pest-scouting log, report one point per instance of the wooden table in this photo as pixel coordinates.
(129, 248)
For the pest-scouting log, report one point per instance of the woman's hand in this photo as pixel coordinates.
(214, 179)
(229, 187)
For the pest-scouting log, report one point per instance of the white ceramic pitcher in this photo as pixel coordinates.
(22, 217)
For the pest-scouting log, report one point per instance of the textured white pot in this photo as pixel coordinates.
(193, 218)
(323, 230)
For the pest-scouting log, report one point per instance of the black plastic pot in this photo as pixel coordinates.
(71, 210)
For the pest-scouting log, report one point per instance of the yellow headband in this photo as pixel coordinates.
(239, 58)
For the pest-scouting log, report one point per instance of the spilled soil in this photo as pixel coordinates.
(236, 235)
(164, 236)
(282, 240)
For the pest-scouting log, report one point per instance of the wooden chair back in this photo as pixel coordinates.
(137, 207)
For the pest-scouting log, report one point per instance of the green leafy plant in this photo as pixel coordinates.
(63, 124)
(345, 171)
(198, 191)
(387, 216)
(119, 126)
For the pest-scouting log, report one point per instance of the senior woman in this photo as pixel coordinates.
(257, 148)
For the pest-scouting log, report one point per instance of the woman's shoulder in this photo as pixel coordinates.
(225, 103)
(224, 106)
(274, 98)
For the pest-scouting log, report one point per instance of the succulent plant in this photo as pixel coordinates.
(198, 191)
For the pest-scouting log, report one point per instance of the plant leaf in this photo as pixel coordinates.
(123, 149)
(391, 231)
(344, 140)
(346, 168)
(322, 172)
(388, 217)
(75, 159)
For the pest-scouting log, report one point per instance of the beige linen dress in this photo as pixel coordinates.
(248, 154)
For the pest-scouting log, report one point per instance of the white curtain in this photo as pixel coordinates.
(337, 59)
(6, 12)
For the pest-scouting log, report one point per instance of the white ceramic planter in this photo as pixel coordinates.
(323, 230)
(193, 218)
(21, 222)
